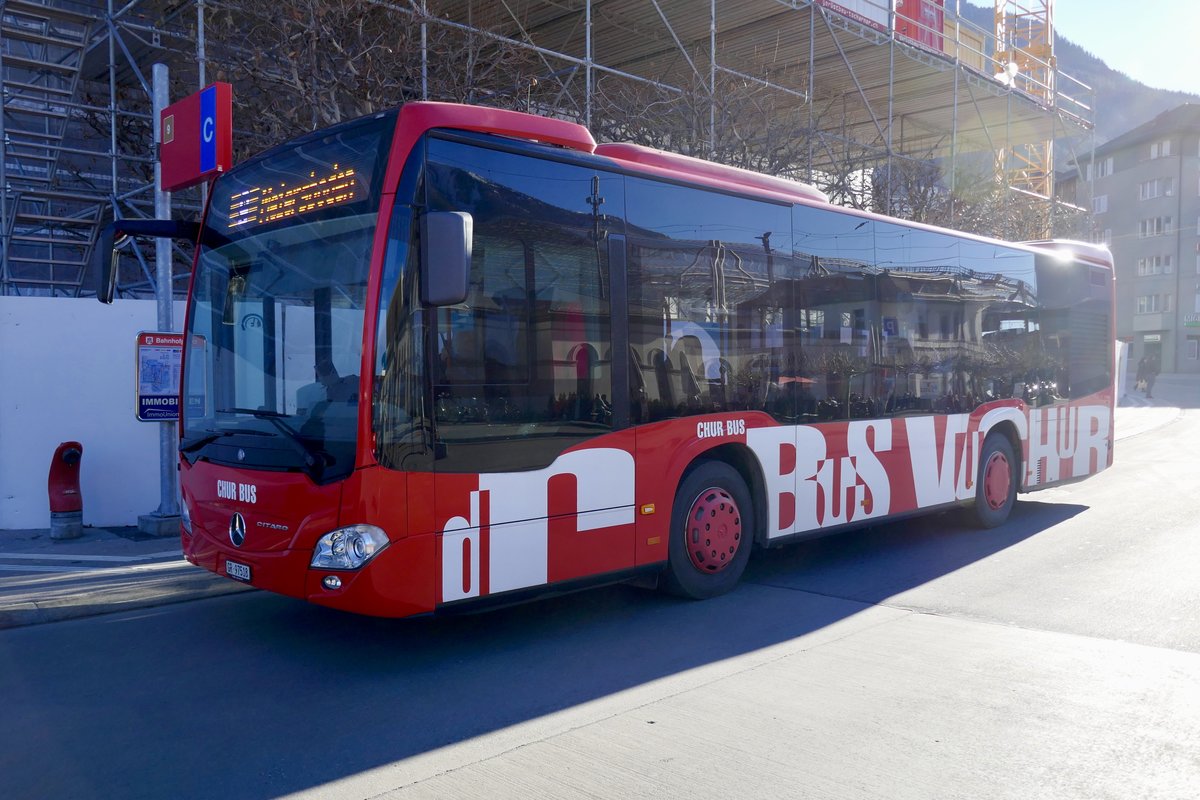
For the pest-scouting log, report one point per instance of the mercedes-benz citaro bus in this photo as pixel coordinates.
(446, 354)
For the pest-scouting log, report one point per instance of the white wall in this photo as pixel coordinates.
(67, 373)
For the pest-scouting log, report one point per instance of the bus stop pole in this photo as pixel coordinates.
(164, 521)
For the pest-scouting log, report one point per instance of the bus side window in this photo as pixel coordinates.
(835, 374)
(523, 367)
(709, 280)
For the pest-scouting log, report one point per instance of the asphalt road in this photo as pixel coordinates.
(1055, 657)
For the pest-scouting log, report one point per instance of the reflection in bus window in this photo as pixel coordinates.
(837, 289)
(710, 283)
(526, 359)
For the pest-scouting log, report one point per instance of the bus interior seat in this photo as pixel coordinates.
(662, 377)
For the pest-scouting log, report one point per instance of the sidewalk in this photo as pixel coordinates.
(104, 571)
(1173, 395)
(118, 569)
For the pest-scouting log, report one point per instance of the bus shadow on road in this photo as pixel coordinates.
(392, 689)
(873, 564)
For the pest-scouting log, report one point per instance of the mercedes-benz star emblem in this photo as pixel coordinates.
(241, 454)
(237, 530)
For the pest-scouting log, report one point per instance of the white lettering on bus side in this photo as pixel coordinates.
(709, 430)
(865, 440)
(809, 487)
(515, 505)
(948, 475)
(1059, 436)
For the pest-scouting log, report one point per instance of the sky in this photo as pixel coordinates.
(1156, 42)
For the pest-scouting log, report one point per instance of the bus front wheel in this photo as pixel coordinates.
(996, 484)
(712, 530)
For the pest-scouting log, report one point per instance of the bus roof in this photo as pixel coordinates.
(1096, 254)
(698, 168)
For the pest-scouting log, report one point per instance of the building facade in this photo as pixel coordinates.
(1145, 203)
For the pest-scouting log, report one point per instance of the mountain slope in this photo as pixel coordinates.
(1121, 103)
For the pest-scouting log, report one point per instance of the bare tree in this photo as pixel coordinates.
(300, 65)
(739, 122)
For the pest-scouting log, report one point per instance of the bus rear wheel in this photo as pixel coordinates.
(996, 484)
(712, 530)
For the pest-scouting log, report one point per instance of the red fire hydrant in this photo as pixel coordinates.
(66, 501)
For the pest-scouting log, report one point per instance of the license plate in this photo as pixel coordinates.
(237, 571)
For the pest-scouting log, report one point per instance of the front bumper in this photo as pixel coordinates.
(398, 582)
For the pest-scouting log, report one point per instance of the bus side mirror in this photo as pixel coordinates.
(445, 257)
(115, 235)
(106, 288)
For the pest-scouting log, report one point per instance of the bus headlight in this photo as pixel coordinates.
(348, 548)
(185, 517)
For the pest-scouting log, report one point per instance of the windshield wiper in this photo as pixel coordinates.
(188, 445)
(314, 459)
(261, 413)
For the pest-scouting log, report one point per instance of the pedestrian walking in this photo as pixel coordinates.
(1152, 368)
(1139, 382)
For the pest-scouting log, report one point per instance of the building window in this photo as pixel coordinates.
(1159, 187)
(1104, 237)
(1154, 265)
(1154, 304)
(1193, 350)
(1160, 149)
(1103, 168)
(1100, 204)
(1155, 226)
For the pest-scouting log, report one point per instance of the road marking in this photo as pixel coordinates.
(34, 568)
(61, 557)
(154, 566)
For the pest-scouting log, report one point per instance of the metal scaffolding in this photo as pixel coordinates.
(918, 84)
(1025, 44)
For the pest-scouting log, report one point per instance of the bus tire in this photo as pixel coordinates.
(996, 484)
(712, 531)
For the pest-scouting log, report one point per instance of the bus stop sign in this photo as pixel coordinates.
(158, 360)
(196, 137)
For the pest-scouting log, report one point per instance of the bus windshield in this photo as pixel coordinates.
(275, 325)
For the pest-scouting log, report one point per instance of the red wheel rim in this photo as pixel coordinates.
(997, 480)
(714, 530)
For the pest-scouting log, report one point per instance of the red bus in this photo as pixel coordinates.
(447, 353)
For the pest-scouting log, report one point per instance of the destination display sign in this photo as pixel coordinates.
(261, 205)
